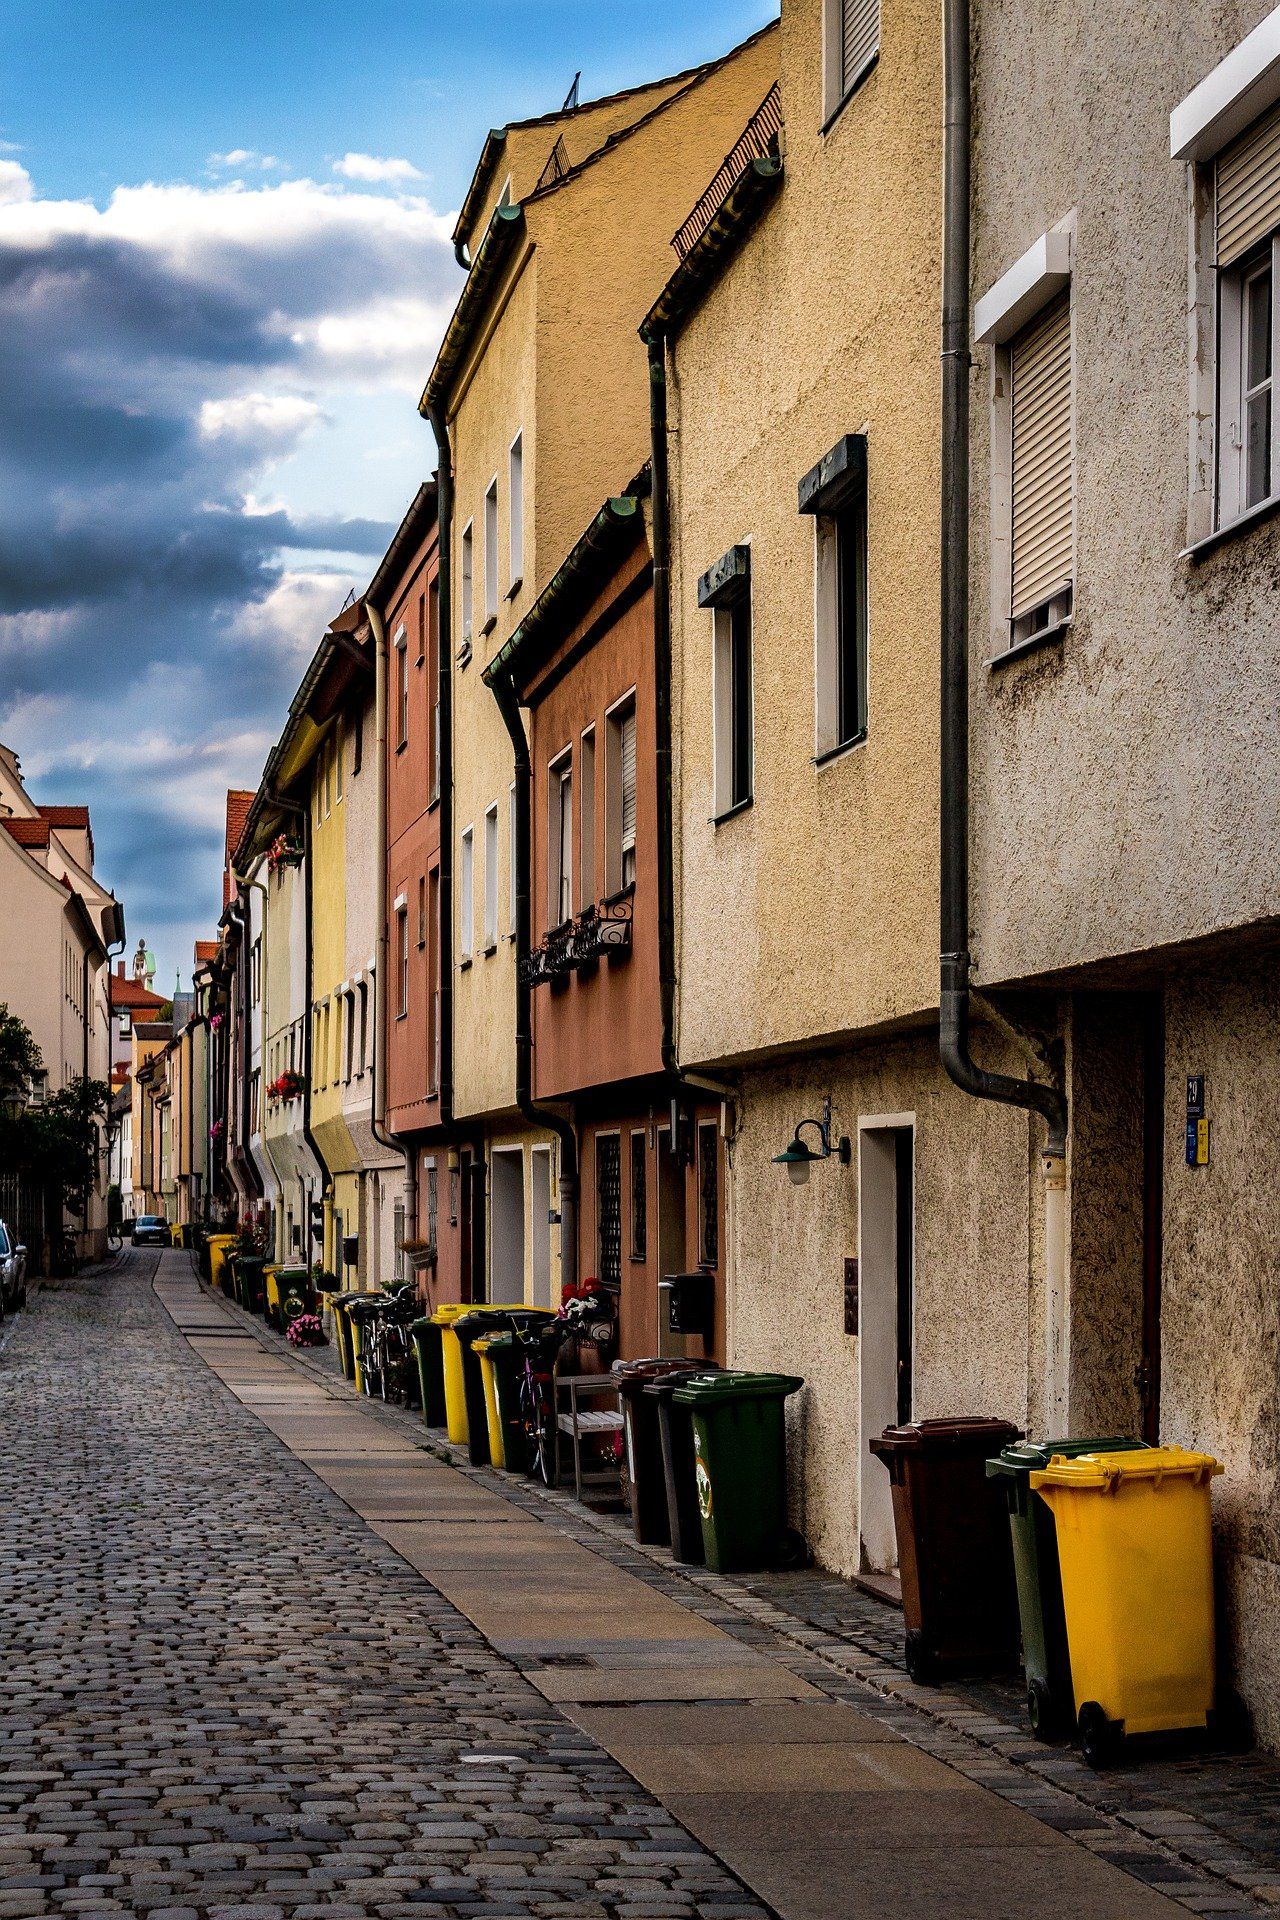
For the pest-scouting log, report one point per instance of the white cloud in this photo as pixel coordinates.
(245, 160)
(15, 183)
(367, 166)
(290, 619)
(266, 423)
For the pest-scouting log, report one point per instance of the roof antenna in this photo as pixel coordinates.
(571, 98)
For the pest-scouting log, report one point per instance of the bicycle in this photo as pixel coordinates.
(385, 1347)
(540, 1346)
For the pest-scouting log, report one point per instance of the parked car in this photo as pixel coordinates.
(149, 1230)
(13, 1271)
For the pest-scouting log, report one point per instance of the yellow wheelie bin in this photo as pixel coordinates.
(220, 1244)
(493, 1419)
(1135, 1545)
(271, 1281)
(455, 1404)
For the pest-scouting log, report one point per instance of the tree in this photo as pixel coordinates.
(20, 1058)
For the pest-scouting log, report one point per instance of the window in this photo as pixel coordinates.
(491, 879)
(466, 897)
(422, 910)
(726, 590)
(402, 687)
(852, 44)
(620, 796)
(515, 510)
(364, 1025)
(708, 1194)
(1042, 506)
(587, 809)
(326, 761)
(511, 842)
(337, 762)
(468, 580)
(609, 1209)
(835, 493)
(351, 1037)
(491, 552)
(433, 981)
(433, 1202)
(560, 841)
(402, 958)
(422, 629)
(433, 696)
(1247, 240)
(639, 1198)
(357, 744)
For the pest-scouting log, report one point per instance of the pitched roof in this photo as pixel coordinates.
(206, 950)
(239, 801)
(127, 992)
(64, 816)
(27, 833)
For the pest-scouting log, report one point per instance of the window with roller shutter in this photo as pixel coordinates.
(1042, 482)
(852, 47)
(1247, 260)
(620, 795)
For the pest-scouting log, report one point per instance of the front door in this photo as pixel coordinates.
(886, 1285)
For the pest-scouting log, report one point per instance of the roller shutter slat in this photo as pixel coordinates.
(1043, 539)
(859, 38)
(1248, 189)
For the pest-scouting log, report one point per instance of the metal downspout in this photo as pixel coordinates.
(378, 1117)
(661, 543)
(444, 642)
(509, 706)
(954, 1005)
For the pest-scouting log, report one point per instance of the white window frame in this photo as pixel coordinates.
(402, 686)
(1233, 394)
(829, 738)
(467, 582)
(835, 92)
(511, 864)
(466, 895)
(619, 869)
(491, 878)
(587, 816)
(724, 703)
(515, 513)
(490, 553)
(560, 850)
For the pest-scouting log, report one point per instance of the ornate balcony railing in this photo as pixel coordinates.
(759, 139)
(599, 932)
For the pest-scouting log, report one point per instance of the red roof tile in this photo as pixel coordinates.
(206, 950)
(127, 992)
(238, 805)
(28, 833)
(65, 816)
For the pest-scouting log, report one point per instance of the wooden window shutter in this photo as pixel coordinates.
(1248, 189)
(627, 743)
(1043, 518)
(859, 38)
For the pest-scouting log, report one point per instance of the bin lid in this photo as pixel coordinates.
(1105, 1472)
(664, 1385)
(450, 1311)
(420, 1325)
(968, 1433)
(705, 1389)
(634, 1375)
(1027, 1456)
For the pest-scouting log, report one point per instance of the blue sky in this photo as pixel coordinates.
(224, 267)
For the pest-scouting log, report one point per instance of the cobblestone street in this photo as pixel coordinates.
(358, 1682)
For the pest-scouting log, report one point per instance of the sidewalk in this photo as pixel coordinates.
(768, 1714)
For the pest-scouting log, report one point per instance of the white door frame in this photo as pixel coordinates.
(878, 1326)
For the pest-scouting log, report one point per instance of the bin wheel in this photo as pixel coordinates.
(1040, 1711)
(788, 1551)
(1231, 1723)
(921, 1664)
(1099, 1737)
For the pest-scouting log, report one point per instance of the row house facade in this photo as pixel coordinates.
(914, 1044)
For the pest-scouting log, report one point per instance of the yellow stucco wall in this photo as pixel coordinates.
(814, 912)
(327, 800)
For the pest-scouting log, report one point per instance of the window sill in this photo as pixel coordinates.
(1241, 524)
(731, 813)
(515, 587)
(1033, 642)
(464, 651)
(464, 963)
(486, 951)
(433, 803)
(864, 73)
(488, 626)
(401, 747)
(829, 754)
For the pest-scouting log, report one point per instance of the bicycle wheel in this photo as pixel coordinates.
(546, 1438)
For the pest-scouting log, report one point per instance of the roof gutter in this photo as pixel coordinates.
(504, 229)
(737, 213)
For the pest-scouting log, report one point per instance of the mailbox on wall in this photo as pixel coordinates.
(691, 1302)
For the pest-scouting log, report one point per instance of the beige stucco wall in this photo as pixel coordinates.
(814, 912)
(975, 1302)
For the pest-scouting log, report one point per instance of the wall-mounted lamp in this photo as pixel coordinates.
(800, 1156)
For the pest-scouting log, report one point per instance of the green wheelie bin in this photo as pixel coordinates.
(250, 1282)
(506, 1357)
(425, 1334)
(1045, 1655)
(740, 1467)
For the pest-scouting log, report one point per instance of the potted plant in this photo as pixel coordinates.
(421, 1254)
